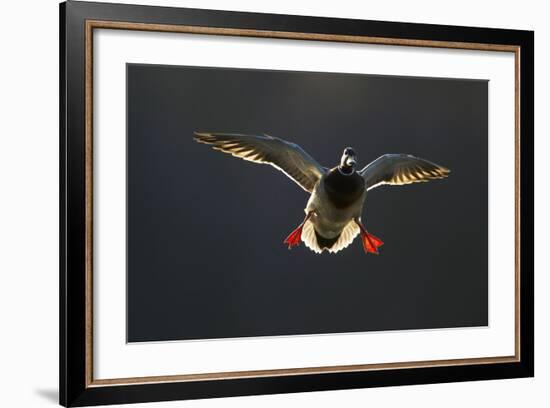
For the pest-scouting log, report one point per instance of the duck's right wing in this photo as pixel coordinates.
(285, 156)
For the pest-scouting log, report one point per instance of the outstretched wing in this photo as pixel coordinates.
(399, 169)
(288, 157)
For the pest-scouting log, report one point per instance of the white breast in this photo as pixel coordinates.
(330, 221)
(327, 216)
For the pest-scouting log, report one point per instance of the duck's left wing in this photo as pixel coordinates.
(399, 169)
(286, 156)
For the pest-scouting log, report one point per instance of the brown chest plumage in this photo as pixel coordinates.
(343, 190)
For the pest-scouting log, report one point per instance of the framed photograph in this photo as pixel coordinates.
(257, 204)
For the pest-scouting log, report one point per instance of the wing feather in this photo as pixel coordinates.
(285, 156)
(399, 169)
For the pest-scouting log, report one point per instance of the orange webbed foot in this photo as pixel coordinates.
(295, 236)
(371, 243)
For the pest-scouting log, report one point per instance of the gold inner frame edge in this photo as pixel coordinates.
(93, 24)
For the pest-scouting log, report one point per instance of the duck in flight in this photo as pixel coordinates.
(337, 195)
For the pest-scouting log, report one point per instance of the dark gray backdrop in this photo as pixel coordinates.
(205, 230)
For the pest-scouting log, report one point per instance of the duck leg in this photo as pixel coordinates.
(295, 236)
(371, 243)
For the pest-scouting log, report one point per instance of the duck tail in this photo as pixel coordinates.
(325, 243)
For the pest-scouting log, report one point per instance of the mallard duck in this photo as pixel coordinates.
(333, 211)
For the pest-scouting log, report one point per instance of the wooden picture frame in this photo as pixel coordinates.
(78, 386)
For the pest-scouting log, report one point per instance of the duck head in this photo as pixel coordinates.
(348, 161)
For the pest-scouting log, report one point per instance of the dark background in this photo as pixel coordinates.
(205, 230)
